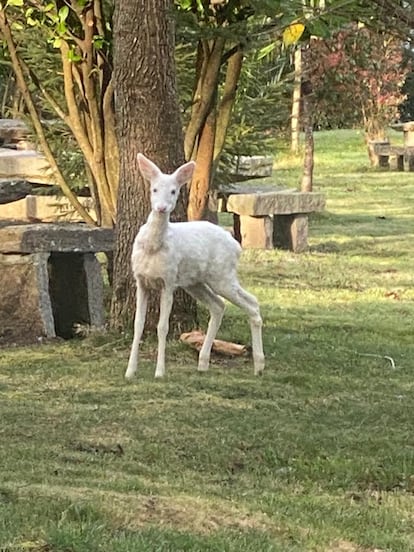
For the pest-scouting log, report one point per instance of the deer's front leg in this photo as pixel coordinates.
(162, 329)
(140, 313)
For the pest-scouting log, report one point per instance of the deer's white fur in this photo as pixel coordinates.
(197, 256)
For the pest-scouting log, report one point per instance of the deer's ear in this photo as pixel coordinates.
(185, 173)
(149, 170)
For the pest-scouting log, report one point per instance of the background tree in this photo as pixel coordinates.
(360, 69)
(220, 31)
(148, 121)
(60, 53)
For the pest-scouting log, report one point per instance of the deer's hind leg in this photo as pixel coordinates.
(234, 293)
(215, 305)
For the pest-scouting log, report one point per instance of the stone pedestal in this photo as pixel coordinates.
(50, 280)
(256, 232)
(25, 306)
(291, 232)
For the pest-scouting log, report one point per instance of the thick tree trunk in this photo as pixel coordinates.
(148, 121)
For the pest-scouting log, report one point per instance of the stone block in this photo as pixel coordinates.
(25, 307)
(256, 232)
(27, 165)
(291, 232)
(251, 166)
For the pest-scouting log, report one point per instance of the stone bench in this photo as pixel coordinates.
(267, 217)
(386, 153)
(50, 280)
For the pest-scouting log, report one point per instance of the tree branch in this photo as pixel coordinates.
(21, 82)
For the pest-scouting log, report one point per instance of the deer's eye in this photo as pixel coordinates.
(154, 190)
(172, 192)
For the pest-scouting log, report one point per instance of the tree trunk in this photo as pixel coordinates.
(295, 114)
(148, 121)
(225, 107)
(307, 177)
(200, 185)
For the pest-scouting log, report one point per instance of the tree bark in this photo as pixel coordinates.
(200, 185)
(148, 121)
(296, 100)
(307, 177)
(234, 67)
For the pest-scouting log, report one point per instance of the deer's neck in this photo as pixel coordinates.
(156, 231)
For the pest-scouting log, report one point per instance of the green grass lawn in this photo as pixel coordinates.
(316, 455)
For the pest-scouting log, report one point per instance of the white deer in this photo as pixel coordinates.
(198, 256)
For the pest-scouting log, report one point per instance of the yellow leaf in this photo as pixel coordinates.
(293, 33)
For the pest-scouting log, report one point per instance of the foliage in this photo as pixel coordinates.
(315, 455)
(362, 71)
(406, 108)
(63, 59)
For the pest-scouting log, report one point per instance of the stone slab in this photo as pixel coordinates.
(27, 165)
(282, 202)
(13, 190)
(45, 209)
(13, 130)
(65, 237)
(251, 166)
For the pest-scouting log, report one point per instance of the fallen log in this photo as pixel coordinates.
(196, 339)
(13, 190)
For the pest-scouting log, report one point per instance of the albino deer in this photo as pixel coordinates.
(197, 256)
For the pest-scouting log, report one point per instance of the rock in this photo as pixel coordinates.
(13, 190)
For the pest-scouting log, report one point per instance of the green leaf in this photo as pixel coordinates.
(266, 50)
(73, 56)
(14, 3)
(61, 28)
(63, 13)
(185, 4)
